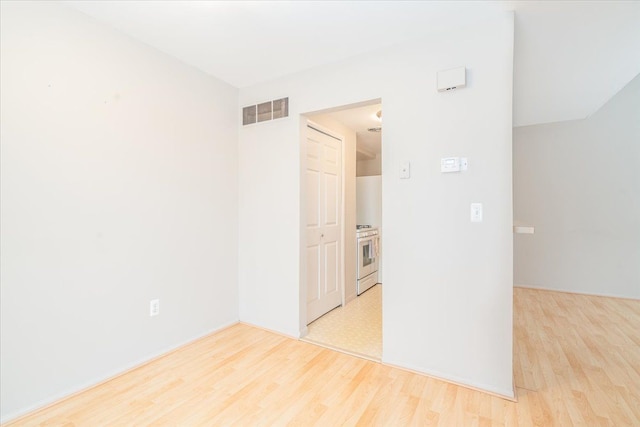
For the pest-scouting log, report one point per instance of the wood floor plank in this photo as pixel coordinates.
(576, 362)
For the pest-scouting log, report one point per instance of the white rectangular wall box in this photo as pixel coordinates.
(454, 78)
(450, 164)
(476, 212)
(154, 307)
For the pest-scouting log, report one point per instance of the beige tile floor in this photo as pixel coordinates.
(355, 328)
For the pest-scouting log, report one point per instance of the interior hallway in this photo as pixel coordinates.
(355, 328)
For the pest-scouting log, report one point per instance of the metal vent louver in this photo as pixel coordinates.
(265, 111)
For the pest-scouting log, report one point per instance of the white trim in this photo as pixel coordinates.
(272, 331)
(302, 260)
(341, 350)
(303, 332)
(343, 231)
(564, 291)
(111, 375)
(317, 128)
(462, 382)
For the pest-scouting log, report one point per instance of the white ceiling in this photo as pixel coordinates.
(360, 120)
(570, 56)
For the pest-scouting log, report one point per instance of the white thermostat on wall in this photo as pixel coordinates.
(450, 164)
(453, 164)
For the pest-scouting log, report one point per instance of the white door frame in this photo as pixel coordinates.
(304, 123)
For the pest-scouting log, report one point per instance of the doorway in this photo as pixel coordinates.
(355, 325)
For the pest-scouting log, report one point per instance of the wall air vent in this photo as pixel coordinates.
(265, 111)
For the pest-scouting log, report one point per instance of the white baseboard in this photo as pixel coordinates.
(462, 382)
(81, 388)
(566, 291)
(273, 331)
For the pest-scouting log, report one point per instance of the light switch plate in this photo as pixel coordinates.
(154, 307)
(476, 212)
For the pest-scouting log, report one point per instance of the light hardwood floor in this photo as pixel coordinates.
(576, 362)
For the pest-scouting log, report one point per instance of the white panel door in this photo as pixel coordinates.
(323, 223)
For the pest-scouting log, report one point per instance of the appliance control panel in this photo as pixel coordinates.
(366, 232)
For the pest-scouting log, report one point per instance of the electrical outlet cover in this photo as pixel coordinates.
(405, 170)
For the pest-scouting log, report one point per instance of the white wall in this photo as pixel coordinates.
(119, 185)
(578, 184)
(369, 167)
(369, 200)
(448, 283)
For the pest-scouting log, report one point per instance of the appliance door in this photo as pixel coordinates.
(366, 257)
(375, 252)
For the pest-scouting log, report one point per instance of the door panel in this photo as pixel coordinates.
(331, 203)
(331, 157)
(313, 274)
(365, 266)
(323, 223)
(313, 195)
(331, 267)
